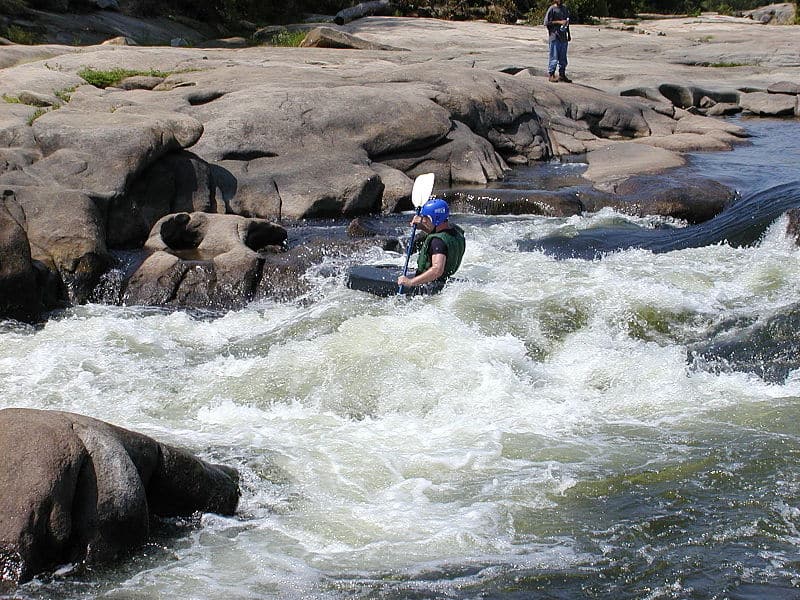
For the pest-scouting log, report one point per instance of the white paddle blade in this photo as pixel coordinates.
(423, 186)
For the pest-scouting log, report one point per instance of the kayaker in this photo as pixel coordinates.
(442, 249)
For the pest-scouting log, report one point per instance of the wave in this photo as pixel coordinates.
(741, 224)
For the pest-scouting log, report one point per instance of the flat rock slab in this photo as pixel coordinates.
(614, 162)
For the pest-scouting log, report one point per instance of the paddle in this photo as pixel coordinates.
(423, 186)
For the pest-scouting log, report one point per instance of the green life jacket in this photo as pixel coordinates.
(454, 239)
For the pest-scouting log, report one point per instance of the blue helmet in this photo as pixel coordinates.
(437, 210)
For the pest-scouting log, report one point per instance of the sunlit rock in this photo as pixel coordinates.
(75, 489)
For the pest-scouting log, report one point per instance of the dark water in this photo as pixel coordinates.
(764, 171)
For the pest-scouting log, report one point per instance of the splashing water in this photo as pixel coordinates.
(535, 430)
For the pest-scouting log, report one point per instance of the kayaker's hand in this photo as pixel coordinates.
(403, 280)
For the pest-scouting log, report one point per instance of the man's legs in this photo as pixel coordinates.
(562, 61)
(553, 62)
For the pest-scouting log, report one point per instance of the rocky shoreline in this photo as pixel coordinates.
(286, 134)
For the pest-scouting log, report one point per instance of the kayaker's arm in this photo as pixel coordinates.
(438, 262)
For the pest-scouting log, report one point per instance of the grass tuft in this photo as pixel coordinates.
(289, 39)
(37, 113)
(11, 99)
(65, 95)
(104, 79)
(18, 35)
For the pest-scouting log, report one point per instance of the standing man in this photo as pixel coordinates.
(443, 248)
(556, 19)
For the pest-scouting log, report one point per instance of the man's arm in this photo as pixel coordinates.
(438, 262)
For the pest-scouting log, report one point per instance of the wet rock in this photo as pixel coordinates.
(283, 278)
(560, 203)
(693, 200)
(767, 347)
(793, 227)
(204, 261)
(75, 489)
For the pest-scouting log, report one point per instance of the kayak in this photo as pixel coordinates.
(381, 280)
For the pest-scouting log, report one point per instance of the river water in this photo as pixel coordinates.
(534, 431)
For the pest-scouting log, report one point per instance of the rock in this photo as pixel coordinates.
(560, 203)
(464, 158)
(685, 96)
(107, 4)
(14, 129)
(784, 87)
(282, 276)
(16, 159)
(26, 291)
(203, 260)
(66, 232)
(764, 104)
(766, 346)
(120, 40)
(775, 14)
(693, 200)
(721, 109)
(793, 226)
(613, 162)
(102, 152)
(363, 9)
(178, 182)
(140, 82)
(75, 489)
(328, 37)
(396, 188)
(231, 42)
(37, 99)
(265, 35)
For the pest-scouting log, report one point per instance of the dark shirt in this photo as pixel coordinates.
(556, 13)
(437, 247)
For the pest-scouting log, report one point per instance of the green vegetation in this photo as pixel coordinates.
(726, 65)
(38, 113)
(18, 35)
(287, 38)
(103, 79)
(11, 99)
(12, 7)
(65, 95)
